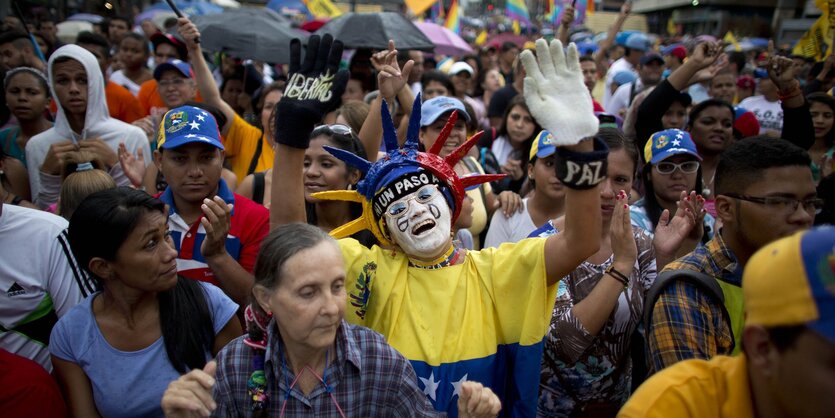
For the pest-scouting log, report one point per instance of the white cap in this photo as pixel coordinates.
(460, 66)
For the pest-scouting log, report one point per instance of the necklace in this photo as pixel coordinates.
(449, 258)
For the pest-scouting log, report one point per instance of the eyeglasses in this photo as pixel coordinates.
(687, 167)
(782, 204)
(176, 82)
(423, 196)
(337, 128)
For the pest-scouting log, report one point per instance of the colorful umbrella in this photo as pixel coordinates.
(373, 30)
(498, 40)
(446, 41)
(189, 8)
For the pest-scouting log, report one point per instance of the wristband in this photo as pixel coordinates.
(617, 275)
(794, 91)
(582, 170)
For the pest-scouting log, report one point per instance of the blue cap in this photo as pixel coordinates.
(187, 124)
(543, 145)
(437, 106)
(180, 66)
(637, 41)
(667, 143)
(621, 37)
(624, 77)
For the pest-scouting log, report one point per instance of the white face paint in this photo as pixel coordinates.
(420, 223)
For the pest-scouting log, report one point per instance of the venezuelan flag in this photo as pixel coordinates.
(517, 10)
(453, 22)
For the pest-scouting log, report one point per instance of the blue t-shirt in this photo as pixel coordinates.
(125, 384)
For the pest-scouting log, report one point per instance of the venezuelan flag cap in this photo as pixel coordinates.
(792, 282)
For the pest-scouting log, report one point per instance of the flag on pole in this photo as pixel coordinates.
(419, 6)
(453, 22)
(517, 10)
(817, 41)
(552, 12)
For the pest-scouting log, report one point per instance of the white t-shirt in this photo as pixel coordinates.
(501, 149)
(513, 229)
(620, 65)
(622, 98)
(769, 114)
(119, 78)
(39, 280)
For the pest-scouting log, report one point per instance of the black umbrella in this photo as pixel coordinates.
(249, 33)
(373, 30)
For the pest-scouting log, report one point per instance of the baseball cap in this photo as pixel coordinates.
(792, 282)
(637, 41)
(181, 67)
(543, 145)
(187, 124)
(623, 77)
(167, 38)
(676, 50)
(745, 82)
(650, 57)
(459, 67)
(433, 108)
(667, 143)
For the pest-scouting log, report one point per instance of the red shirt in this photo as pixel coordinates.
(250, 224)
(28, 390)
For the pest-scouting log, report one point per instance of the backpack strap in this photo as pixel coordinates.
(258, 184)
(704, 282)
(254, 163)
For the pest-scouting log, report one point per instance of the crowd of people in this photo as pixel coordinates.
(640, 231)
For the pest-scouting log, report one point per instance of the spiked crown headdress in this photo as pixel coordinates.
(400, 161)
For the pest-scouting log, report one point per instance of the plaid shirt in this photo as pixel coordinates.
(368, 378)
(687, 323)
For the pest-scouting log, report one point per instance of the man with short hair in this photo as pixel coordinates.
(786, 369)
(508, 55)
(217, 232)
(766, 106)
(121, 103)
(649, 75)
(765, 191)
(590, 77)
(16, 50)
(117, 28)
(674, 56)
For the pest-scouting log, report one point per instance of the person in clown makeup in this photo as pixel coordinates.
(457, 315)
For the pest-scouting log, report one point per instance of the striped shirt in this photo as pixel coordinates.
(40, 280)
(368, 378)
(686, 322)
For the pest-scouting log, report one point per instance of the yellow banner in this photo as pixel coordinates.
(419, 6)
(322, 8)
(481, 39)
(817, 42)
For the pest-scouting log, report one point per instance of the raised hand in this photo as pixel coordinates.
(706, 54)
(188, 31)
(132, 165)
(390, 78)
(781, 70)
(191, 394)
(624, 248)
(216, 220)
(672, 232)
(556, 95)
(315, 88)
(477, 401)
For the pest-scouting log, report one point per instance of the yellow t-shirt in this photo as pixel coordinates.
(240, 144)
(483, 319)
(695, 388)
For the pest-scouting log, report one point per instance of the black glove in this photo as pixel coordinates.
(314, 89)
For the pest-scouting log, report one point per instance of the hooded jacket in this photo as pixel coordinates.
(46, 187)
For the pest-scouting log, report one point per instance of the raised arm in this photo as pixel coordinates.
(558, 99)
(202, 74)
(315, 88)
(565, 24)
(797, 121)
(613, 33)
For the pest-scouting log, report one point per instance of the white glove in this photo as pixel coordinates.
(556, 95)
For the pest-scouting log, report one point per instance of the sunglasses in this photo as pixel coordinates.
(687, 167)
(337, 128)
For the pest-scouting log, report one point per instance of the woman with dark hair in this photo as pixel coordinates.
(672, 179)
(586, 365)
(115, 353)
(300, 354)
(822, 109)
(435, 84)
(513, 144)
(322, 172)
(27, 97)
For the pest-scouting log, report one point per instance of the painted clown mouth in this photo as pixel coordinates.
(423, 227)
